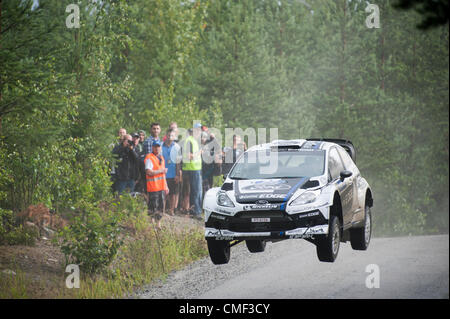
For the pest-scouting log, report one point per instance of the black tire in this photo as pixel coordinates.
(256, 246)
(327, 246)
(360, 237)
(219, 251)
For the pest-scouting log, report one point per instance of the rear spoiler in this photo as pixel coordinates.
(345, 144)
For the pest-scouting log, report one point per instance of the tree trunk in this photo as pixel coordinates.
(344, 44)
(1, 86)
(383, 60)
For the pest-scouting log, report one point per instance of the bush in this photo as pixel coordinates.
(129, 205)
(91, 241)
(72, 172)
(59, 174)
(11, 234)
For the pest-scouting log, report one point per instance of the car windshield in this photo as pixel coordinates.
(279, 164)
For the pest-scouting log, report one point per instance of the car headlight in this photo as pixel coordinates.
(224, 200)
(305, 198)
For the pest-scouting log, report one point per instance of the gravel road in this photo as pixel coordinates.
(409, 267)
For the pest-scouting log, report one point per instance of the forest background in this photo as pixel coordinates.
(309, 69)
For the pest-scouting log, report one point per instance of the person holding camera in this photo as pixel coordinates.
(127, 168)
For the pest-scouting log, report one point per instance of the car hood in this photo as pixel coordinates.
(267, 190)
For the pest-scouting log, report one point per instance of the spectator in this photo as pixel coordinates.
(155, 130)
(172, 157)
(122, 133)
(192, 178)
(142, 181)
(142, 138)
(232, 154)
(172, 126)
(113, 175)
(127, 169)
(156, 182)
(139, 149)
(217, 153)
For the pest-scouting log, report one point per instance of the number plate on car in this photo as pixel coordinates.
(260, 220)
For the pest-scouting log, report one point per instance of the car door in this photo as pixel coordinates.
(350, 166)
(345, 188)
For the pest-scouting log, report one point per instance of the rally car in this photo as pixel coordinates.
(289, 189)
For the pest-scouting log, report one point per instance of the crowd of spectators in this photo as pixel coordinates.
(172, 175)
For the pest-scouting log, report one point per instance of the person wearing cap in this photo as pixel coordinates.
(137, 147)
(192, 168)
(157, 189)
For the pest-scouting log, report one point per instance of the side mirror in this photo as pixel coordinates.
(345, 174)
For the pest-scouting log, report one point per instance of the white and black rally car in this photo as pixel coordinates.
(287, 189)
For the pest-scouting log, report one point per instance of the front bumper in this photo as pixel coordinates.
(266, 223)
(302, 232)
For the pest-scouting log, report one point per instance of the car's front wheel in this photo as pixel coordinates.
(360, 237)
(255, 246)
(327, 246)
(219, 251)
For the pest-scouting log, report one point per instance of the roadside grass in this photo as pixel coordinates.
(147, 254)
(14, 286)
(144, 257)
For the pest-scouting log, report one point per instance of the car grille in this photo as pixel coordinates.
(279, 221)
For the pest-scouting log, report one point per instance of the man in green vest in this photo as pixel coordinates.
(192, 173)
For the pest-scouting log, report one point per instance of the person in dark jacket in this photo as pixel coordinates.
(127, 168)
(139, 149)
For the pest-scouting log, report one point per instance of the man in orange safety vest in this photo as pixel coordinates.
(155, 171)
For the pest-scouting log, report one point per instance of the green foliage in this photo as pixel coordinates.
(59, 174)
(161, 37)
(165, 110)
(146, 257)
(129, 205)
(91, 241)
(307, 69)
(13, 234)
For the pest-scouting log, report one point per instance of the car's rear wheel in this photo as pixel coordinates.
(327, 246)
(256, 246)
(360, 237)
(219, 251)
